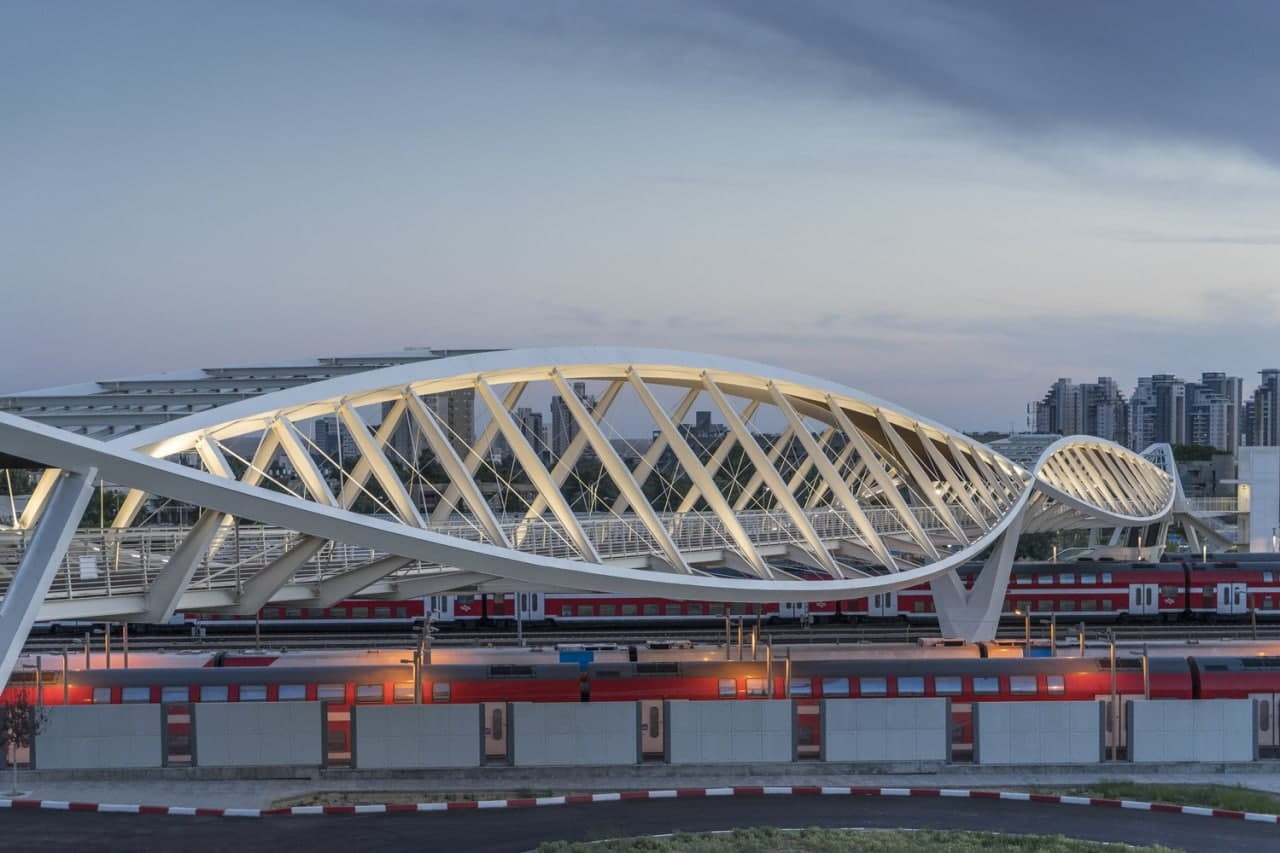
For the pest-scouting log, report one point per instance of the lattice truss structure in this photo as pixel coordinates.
(793, 488)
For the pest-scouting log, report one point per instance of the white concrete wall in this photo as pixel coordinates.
(1037, 732)
(564, 733)
(1259, 467)
(1195, 730)
(249, 734)
(885, 730)
(416, 736)
(83, 737)
(730, 731)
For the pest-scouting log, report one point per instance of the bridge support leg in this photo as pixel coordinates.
(39, 564)
(974, 614)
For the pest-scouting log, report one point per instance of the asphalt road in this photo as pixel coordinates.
(524, 829)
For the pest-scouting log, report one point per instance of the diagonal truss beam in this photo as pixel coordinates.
(536, 471)
(718, 458)
(699, 476)
(649, 462)
(565, 464)
(924, 483)
(773, 480)
(452, 464)
(617, 470)
(257, 590)
(167, 588)
(757, 478)
(449, 500)
(834, 481)
(383, 472)
(303, 465)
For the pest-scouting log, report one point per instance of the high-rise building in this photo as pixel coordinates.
(455, 411)
(563, 425)
(1158, 411)
(1264, 425)
(1090, 408)
(531, 427)
(1230, 389)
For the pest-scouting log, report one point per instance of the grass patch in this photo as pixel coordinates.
(1234, 797)
(836, 840)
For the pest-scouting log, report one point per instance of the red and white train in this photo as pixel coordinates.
(1078, 591)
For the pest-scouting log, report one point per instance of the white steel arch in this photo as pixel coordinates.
(808, 491)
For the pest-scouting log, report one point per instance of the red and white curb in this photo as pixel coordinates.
(666, 794)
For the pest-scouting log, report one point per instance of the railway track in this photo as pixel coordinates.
(779, 634)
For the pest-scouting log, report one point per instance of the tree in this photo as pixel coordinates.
(19, 725)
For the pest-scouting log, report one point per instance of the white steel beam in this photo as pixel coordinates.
(64, 508)
(773, 480)
(303, 465)
(648, 463)
(617, 470)
(757, 478)
(698, 475)
(565, 464)
(536, 471)
(168, 586)
(835, 482)
(353, 486)
(924, 484)
(888, 488)
(347, 584)
(475, 456)
(449, 460)
(978, 486)
(383, 472)
(718, 458)
(974, 614)
(257, 590)
(39, 497)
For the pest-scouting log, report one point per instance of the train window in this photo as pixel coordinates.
(1090, 578)
(174, 694)
(630, 610)
(403, 694)
(213, 693)
(1067, 578)
(1268, 577)
(651, 610)
(1264, 714)
(1045, 580)
(369, 693)
(1055, 684)
(1022, 684)
(1267, 603)
(135, 694)
(695, 609)
(947, 685)
(728, 688)
(440, 691)
(291, 692)
(337, 613)
(1108, 604)
(1106, 577)
(608, 610)
(331, 692)
(715, 609)
(382, 613)
(271, 613)
(672, 609)
(466, 599)
(1088, 604)
(1024, 605)
(1168, 591)
(1008, 606)
(566, 609)
(873, 686)
(1044, 604)
(102, 695)
(801, 687)
(253, 693)
(1021, 579)
(756, 687)
(919, 606)
(292, 613)
(586, 610)
(402, 613)
(910, 685)
(838, 686)
(738, 609)
(986, 684)
(359, 613)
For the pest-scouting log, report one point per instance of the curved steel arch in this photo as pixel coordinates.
(844, 495)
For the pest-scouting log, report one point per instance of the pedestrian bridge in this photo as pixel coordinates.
(783, 487)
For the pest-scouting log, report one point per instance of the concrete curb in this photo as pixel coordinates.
(665, 794)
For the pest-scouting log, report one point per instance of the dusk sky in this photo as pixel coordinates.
(948, 205)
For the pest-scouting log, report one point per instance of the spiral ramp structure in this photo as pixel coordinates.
(785, 487)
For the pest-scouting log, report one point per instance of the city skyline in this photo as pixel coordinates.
(946, 205)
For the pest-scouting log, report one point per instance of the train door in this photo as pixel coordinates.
(440, 607)
(1268, 716)
(792, 609)
(1116, 724)
(652, 734)
(337, 734)
(532, 606)
(1144, 599)
(883, 604)
(497, 728)
(1232, 598)
(961, 731)
(177, 733)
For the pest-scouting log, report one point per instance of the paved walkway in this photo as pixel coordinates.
(175, 790)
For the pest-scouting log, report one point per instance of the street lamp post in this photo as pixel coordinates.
(1026, 631)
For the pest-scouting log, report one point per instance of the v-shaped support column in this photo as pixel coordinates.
(974, 614)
